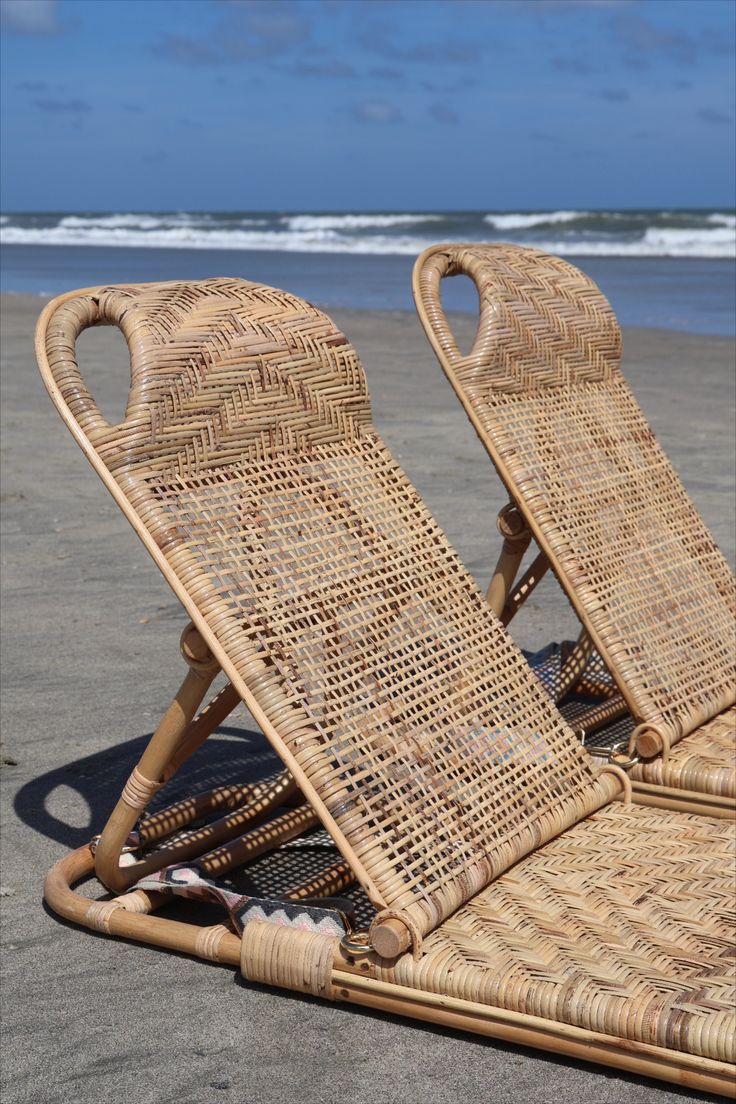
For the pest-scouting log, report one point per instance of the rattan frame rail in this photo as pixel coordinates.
(248, 466)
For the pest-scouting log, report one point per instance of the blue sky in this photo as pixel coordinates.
(366, 104)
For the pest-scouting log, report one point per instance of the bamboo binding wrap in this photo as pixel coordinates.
(249, 467)
(543, 388)
(289, 958)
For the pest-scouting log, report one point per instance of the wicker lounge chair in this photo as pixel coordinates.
(516, 891)
(588, 482)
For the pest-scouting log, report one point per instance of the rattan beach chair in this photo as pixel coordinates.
(589, 483)
(515, 890)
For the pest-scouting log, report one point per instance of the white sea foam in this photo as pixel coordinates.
(723, 220)
(113, 222)
(355, 222)
(312, 241)
(715, 237)
(523, 222)
(656, 242)
(148, 222)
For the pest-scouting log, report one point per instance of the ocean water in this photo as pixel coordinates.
(671, 269)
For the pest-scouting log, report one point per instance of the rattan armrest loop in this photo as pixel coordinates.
(439, 265)
(77, 314)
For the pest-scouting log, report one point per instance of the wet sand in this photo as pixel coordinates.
(90, 660)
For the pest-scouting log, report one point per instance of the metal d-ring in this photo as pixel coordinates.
(618, 749)
(609, 754)
(356, 943)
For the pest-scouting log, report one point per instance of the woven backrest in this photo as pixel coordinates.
(543, 388)
(248, 464)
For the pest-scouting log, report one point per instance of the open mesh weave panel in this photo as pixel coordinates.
(623, 925)
(247, 454)
(544, 388)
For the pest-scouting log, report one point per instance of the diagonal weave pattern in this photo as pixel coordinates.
(384, 680)
(580, 932)
(575, 450)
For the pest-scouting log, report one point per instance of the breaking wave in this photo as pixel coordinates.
(574, 233)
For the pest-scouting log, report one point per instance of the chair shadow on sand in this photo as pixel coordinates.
(230, 754)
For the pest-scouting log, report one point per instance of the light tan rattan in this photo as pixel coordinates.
(319, 583)
(514, 945)
(542, 385)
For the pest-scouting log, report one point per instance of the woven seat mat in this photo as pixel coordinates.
(544, 388)
(622, 925)
(344, 617)
(704, 761)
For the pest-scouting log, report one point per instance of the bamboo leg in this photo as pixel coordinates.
(202, 726)
(516, 538)
(148, 776)
(525, 587)
(266, 838)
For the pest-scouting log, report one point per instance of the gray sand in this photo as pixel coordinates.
(89, 663)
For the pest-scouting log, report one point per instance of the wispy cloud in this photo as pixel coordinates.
(713, 116)
(386, 72)
(30, 17)
(377, 111)
(446, 53)
(639, 36)
(63, 107)
(612, 95)
(719, 43)
(448, 87)
(326, 68)
(250, 30)
(571, 5)
(186, 51)
(32, 86)
(378, 36)
(282, 24)
(441, 113)
(545, 136)
(571, 65)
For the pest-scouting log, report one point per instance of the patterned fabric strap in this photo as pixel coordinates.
(332, 917)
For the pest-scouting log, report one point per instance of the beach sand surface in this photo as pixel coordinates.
(90, 661)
